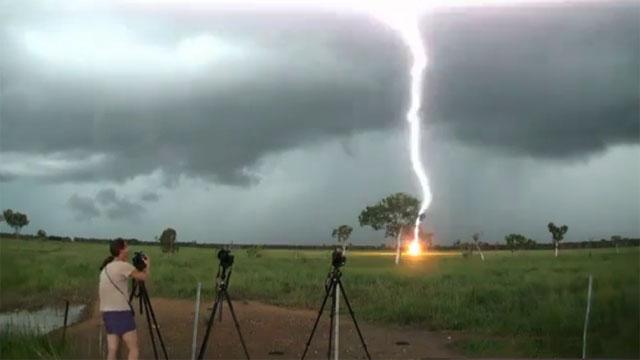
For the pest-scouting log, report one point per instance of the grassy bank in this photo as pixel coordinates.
(20, 345)
(522, 304)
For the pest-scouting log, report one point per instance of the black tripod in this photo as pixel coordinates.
(333, 283)
(222, 280)
(145, 307)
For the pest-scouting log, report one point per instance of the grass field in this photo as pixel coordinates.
(524, 304)
(19, 345)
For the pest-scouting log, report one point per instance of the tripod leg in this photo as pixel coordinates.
(315, 325)
(212, 317)
(134, 284)
(333, 314)
(346, 301)
(220, 310)
(140, 303)
(155, 323)
(235, 321)
(146, 314)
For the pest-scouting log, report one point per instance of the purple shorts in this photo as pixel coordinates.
(118, 322)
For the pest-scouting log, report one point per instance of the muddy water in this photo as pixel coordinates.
(39, 321)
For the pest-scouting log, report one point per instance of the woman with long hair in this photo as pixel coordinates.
(117, 313)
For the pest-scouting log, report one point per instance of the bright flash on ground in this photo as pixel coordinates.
(414, 249)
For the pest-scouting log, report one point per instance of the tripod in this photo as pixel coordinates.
(145, 307)
(222, 279)
(334, 283)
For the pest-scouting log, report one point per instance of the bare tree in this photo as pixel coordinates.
(476, 241)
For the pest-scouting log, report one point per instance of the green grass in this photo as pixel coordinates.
(522, 304)
(21, 345)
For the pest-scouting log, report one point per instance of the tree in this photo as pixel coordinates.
(530, 244)
(518, 241)
(392, 214)
(521, 242)
(616, 240)
(557, 234)
(6, 215)
(168, 240)
(476, 241)
(41, 233)
(513, 241)
(16, 220)
(342, 233)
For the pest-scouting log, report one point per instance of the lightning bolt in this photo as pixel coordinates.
(407, 24)
(415, 43)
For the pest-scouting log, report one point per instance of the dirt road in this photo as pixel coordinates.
(271, 332)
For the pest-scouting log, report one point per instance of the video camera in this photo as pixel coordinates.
(225, 257)
(138, 260)
(338, 258)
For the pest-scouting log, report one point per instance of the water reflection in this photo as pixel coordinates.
(39, 321)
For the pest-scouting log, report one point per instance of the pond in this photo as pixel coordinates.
(39, 321)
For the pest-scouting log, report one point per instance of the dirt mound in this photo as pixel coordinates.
(271, 332)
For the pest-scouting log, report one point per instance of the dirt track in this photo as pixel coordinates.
(270, 332)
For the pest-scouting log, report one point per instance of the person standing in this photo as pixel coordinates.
(117, 312)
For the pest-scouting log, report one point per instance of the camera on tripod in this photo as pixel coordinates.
(138, 260)
(225, 257)
(222, 284)
(334, 289)
(338, 258)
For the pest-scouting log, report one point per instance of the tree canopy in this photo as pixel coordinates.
(391, 213)
(342, 233)
(557, 232)
(168, 240)
(16, 220)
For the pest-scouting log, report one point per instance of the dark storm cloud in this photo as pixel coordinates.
(207, 125)
(106, 197)
(118, 207)
(125, 209)
(150, 196)
(83, 207)
(539, 82)
(551, 82)
(107, 202)
(7, 177)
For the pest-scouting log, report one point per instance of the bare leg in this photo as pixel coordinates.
(131, 339)
(112, 346)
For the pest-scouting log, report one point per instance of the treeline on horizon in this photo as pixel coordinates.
(594, 244)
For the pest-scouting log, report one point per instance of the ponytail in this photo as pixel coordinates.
(106, 261)
(114, 248)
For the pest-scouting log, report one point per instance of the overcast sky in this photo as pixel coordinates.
(259, 126)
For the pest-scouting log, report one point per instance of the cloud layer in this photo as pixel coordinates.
(109, 203)
(116, 94)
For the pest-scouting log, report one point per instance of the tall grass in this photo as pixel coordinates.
(522, 304)
(23, 345)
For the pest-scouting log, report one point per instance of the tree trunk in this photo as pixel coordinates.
(480, 251)
(556, 248)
